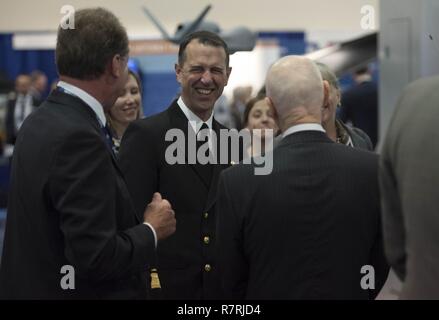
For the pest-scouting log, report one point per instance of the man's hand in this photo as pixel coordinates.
(160, 215)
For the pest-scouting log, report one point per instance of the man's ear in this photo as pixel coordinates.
(178, 72)
(325, 94)
(270, 103)
(279, 121)
(116, 66)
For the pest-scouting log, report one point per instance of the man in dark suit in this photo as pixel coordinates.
(359, 104)
(71, 230)
(335, 128)
(187, 259)
(20, 104)
(409, 179)
(310, 228)
(39, 86)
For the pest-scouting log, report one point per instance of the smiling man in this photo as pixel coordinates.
(203, 71)
(187, 260)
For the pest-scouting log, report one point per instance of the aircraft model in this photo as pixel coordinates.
(237, 39)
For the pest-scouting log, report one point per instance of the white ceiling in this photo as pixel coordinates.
(334, 15)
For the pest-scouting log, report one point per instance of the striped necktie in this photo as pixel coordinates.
(109, 138)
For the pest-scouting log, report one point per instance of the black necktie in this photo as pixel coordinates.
(203, 138)
(204, 169)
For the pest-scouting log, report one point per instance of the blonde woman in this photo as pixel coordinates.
(127, 108)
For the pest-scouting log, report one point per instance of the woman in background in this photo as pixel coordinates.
(127, 108)
(335, 128)
(259, 115)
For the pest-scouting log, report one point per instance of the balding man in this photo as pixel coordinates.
(311, 228)
(20, 104)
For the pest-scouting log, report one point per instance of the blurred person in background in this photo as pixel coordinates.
(258, 114)
(54, 84)
(127, 108)
(241, 95)
(335, 128)
(20, 104)
(5, 84)
(222, 113)
(409, 180)
(359, 104)
(39, 86)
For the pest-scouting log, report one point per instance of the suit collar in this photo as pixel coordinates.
(179, 120)
(358, 140)
(303, 127)
(344, 134)
(177, 117)
(59, 97)
(91, 101)
(78, 105)
(193, 119)
(305, 137)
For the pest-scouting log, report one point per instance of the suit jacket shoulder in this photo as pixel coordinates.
(360, 139)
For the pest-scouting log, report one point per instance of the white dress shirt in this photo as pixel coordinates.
(91, 101)
(303, 127)
(194, 120)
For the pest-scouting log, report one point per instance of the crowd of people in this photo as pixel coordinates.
(92, 187)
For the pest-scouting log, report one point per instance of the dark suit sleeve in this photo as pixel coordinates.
(83, 189)
(379, 263)
(393, 221)
(139, 163)
(36, 102)
(367, 142)
(233, 265)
